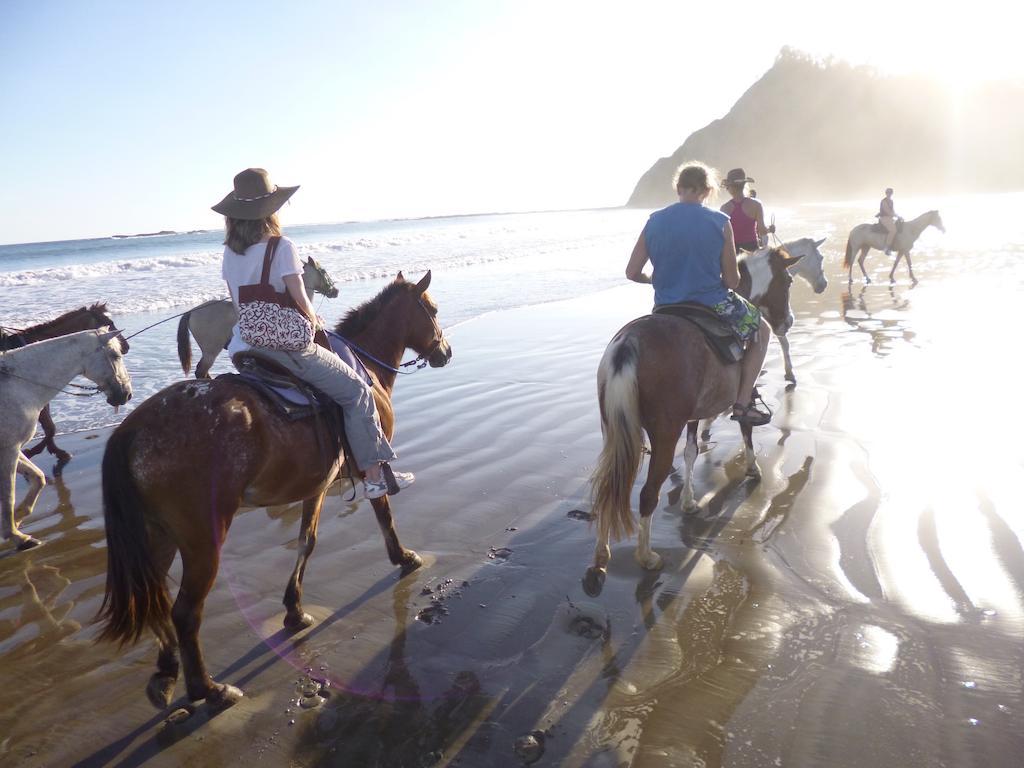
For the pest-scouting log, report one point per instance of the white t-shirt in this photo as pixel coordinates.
(247, 268)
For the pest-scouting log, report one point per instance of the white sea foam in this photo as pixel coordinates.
(103, 269)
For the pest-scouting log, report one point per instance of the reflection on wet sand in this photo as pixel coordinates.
(885, 326)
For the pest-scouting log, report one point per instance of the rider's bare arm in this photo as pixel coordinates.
(730, 272)
(635, 267)
(296, 290)
(762, 230)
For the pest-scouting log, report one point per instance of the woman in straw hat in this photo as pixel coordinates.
(250, 218)
(745, 213)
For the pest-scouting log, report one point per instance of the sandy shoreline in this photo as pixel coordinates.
(827, 615)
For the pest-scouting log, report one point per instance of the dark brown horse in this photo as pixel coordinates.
(177, 469)
(81, 319)
(659, 376)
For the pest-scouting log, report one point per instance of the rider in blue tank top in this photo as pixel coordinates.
(692, 251)
(684, 243)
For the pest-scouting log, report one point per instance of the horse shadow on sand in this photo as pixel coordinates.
(387, 715)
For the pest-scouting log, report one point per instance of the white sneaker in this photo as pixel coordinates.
(373, 490)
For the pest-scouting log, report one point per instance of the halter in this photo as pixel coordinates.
(420, 361)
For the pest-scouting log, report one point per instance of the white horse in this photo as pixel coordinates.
(864, 237)
(30, 377)
(211, 323)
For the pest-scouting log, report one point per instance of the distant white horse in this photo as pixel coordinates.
(864, 237)
(211, 323)
(30, 377)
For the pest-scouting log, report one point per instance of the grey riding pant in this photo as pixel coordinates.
(325, 371)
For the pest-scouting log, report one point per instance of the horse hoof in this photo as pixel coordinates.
(410, 562)
(223, 696)
(297, 621)
(867, 281)
(28, 543)
(180, 715)
(652, 562)
(593, 581)
(790, 377)
(690, 505)
(160, 690)
(63, 457)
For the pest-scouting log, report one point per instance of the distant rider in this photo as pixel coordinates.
(887, 218)
(745, 213)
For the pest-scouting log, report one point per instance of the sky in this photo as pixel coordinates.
(128, 117)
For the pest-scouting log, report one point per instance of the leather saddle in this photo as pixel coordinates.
(877, 227)
(718, 334)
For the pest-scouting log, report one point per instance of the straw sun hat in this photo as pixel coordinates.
(253, 197)
(736, 176)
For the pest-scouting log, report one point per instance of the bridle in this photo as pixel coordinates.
(420, 361)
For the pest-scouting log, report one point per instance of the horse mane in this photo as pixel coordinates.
(356, 320)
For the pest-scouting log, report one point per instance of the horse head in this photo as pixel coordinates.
(424, 335)
(100, 318)
(775, 300)
(936, 221)
(316, 278)
(104, 366)
(811, 267)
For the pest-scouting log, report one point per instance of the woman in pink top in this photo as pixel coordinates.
(745, 213)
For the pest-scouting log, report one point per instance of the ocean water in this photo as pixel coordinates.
(479, 264)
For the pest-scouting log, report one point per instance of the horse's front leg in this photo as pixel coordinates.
(49, 431)
(9, 460)
(296, 618)
(689, 459)
(405, 558)
(786, 359)
(910, 268)
(892, 272)
(36, 481)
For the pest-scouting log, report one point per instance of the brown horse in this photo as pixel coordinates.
(177, 469)
(81, 319)
(658, 375)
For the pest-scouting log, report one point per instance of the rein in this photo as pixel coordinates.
(172, 317)
(90, 389)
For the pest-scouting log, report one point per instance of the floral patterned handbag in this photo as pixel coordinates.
(270, 319)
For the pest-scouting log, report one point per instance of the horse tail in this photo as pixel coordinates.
(184, 343)
(136, 595)
(619, 462)
(848, 258)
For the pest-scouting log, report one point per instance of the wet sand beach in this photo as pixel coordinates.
(861, 605)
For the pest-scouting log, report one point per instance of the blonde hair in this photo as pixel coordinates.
(241, 233)
(699, 177)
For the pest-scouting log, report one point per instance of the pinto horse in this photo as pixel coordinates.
(658, 375)
(177, 469)
(81, 319)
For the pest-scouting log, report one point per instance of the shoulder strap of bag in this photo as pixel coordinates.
(268, 257)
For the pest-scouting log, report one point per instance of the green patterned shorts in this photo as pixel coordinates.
(740, 314)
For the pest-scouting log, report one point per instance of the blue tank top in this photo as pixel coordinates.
(684, 243)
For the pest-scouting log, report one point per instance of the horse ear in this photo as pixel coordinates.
(424, 282)
(789, 261)
(400, 278)
(817, 243)
(106, 336)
